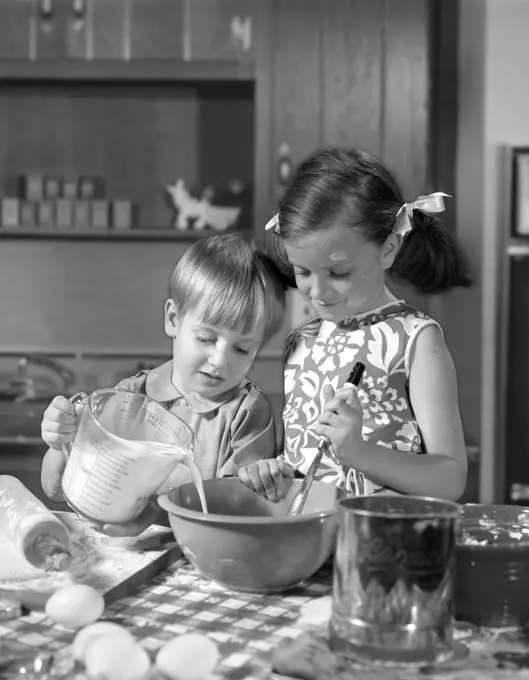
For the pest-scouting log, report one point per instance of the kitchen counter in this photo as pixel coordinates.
(249, 628)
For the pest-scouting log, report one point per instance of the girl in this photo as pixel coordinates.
(342, 228)
(226, 300)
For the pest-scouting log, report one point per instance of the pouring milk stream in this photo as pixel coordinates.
(125, 448)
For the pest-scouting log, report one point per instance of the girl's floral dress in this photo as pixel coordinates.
(323, 353)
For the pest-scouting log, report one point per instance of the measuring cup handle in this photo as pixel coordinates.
(78, 401)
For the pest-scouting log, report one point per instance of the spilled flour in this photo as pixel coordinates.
(97, 560)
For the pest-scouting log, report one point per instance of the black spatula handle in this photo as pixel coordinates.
(355, 376)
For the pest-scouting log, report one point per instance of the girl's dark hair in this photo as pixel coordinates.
(354, 187)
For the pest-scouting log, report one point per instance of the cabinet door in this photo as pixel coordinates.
(49, 28)
(288, 108)
(59, 29)
(407, 94)
(219, 29)
(352, 73)
(296, 85)
(107, 23)
(156, 29)
(15, 18)
(77, 29)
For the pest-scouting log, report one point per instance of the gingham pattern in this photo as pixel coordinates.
(247, 628)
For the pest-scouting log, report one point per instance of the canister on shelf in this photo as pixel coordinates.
(10, 213)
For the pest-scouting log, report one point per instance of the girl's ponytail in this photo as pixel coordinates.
(430, 258)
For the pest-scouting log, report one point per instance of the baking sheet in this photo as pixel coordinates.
(114, 566)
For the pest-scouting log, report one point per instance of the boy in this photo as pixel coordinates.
(226, 301)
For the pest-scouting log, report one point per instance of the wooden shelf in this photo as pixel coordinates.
(155, 70)
(105, 235)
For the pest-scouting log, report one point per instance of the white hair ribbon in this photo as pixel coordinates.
(273, 223)
(432, 203)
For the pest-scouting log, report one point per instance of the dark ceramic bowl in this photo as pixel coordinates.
(492, 574)
(247, 543)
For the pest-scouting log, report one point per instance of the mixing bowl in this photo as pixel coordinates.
(247, 543)
(492, 566)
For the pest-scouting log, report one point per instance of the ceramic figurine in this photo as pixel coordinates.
(200, 213)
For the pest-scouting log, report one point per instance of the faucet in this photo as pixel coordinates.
(25, 385)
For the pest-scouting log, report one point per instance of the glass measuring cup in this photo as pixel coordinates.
(125, 447)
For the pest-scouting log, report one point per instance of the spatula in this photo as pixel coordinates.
(323, 446)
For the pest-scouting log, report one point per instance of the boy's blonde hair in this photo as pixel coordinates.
(238, 282)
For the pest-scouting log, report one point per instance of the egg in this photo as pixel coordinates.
(188, 657)
(86, 636)
(75, 606)
(116, 658)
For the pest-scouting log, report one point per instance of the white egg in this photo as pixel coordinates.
(86, 636)
(75, 606)
(116, 658)
(188, 657)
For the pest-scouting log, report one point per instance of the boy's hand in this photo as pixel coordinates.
(341, 422)
(267, 477)
(59, 423)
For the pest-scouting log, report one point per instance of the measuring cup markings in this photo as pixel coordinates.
(89, 499)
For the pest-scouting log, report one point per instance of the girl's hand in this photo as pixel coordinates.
(59, 423)
(341, 422)
(267, 477)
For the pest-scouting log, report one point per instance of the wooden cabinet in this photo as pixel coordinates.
(91, 29)
(127, 29)
(60, 29)
(142, 92)
(219, 30)
(288, 96)
(352, 47)
(45, 29)
(156, 29)
(15, 19)
(350, 73)
(107, 29)
(406, 130)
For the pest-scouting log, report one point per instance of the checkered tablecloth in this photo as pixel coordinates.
(246, 627)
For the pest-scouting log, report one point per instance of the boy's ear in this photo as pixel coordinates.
(172, 318)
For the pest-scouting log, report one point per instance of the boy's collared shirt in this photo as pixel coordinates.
(234, 430)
